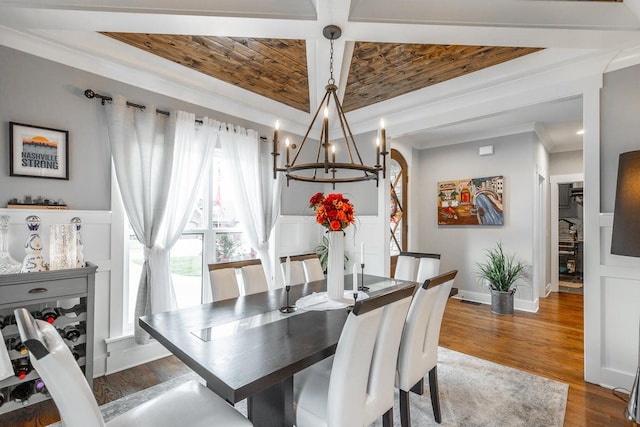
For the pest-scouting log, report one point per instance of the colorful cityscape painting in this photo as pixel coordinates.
(474, 201)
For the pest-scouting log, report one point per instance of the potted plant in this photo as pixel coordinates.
(500, 271)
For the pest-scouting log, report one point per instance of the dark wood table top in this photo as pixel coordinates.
(242, 358)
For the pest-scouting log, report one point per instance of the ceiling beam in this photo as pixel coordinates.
(566, 24)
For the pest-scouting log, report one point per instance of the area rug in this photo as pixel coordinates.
(473, 393)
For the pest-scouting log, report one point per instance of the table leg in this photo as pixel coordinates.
(272, 407)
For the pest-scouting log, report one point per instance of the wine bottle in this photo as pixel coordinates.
(49, 314)
(79, 351)
(40, 387)
(1, 322)
(37, 314)
(77, 309)
(3, 397)
(8, 320)
(72, 332)
(22, 392)
(17, 345)
(22, 367)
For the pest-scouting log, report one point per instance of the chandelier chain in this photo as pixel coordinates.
(329, 170)
(331, 79)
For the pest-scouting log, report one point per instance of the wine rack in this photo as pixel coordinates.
(64, 298)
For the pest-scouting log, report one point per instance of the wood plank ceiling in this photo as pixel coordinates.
(277, 69)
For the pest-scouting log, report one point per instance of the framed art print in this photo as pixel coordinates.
(38, 152)
(471, 201)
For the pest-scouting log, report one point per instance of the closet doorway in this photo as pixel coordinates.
(567, 239)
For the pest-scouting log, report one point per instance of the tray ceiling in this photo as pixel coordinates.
(277, 68)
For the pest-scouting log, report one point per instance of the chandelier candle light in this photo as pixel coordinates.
(327, 170)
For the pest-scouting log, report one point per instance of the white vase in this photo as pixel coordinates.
(335, 265)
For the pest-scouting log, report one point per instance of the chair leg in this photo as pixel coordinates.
(418, 388)
(387, 418)
(405, 413)
(435, 399)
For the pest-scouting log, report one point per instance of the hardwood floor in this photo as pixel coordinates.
(547, 343)
(106, 389)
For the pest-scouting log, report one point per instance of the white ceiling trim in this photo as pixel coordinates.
(490, 101)
(543, 14)
(620, 30)
(290, 9)
(501, 88)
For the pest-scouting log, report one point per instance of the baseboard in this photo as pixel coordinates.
(611, 376)
(518, 304)
(124, 353)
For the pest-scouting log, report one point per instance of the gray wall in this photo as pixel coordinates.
(619, 127)
(568, 162)
(462, 246)
(39, 92)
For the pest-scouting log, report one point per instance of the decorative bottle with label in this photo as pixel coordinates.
(34, 260)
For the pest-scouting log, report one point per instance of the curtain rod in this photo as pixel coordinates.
(105, 98)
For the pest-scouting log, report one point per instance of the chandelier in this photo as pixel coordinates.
(325, 169)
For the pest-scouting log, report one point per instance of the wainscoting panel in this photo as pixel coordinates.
(620, 317)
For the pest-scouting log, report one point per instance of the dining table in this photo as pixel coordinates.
(246, 348)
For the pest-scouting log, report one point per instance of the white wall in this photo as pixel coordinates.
(541, 232)
(462, 246)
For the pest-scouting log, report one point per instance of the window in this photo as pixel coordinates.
(398, 208)
(211, 235)
(185, 267)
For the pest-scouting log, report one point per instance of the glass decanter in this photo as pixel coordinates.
(7, 264)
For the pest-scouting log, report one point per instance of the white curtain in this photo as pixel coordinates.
(159, 163)
(257, 194)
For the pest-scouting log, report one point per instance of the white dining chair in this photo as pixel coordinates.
(405, 268)
(224, 282)
(418, 353)
(428, 266)
(253, 278)
(296, 270)
(312, 269)
(190, 404)
(356, 386)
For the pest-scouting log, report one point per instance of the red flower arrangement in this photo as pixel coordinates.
(333, 211)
